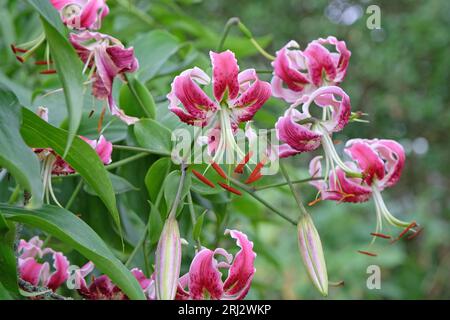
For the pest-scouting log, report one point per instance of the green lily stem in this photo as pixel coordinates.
(138, 149)
(115, 164)
(176, 202)
(145, 233)
(69, 204)
(74, 195)
(261, 200)
(280, 184)
(14, 195)
(193, 218)
(246, 32)
(137, 12)
(296, 195)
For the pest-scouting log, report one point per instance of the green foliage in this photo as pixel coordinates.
(398, 75)
(73, 231)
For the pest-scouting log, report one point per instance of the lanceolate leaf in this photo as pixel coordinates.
(39, 134)
(153, 136)
(69, 68)
(70, 229)
(15, 155)
(8, 270)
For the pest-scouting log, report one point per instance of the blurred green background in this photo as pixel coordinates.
(399, 75)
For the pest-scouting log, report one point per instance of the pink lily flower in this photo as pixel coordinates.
(297, 72)
(54, 165)
(81, 14)
(300, 132)
(37, 273)
(102, 288)
(107, 58)
(380, 163)
(204, 280)
(237, 97)
(103, 148)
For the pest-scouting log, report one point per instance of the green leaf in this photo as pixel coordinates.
(69, 68)
(70, 229)
(49, 13)
(153, 50)
(120, 185)
(15, 155)
(153, 136)
(155, 177)
(171, 186)
(156, 224)
(136, 100)
(196, 232)
(8, 269)
(39, 134)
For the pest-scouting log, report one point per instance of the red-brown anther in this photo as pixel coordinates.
(203, 179)
(219, 170)
(256, 173)
(230, 188)
(415, 234)
(368, 253)
(240, 166)
(15, 49)
(412, 225)
(100, 120)
(43, 62)
(337, 142)
(253, 178)
(380, 235)
(49, 71)
(20, 59)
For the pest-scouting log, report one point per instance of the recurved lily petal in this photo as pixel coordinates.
(290, 79)
(110, 59)
(368, 160)
(61, 273)
(225, 75)
(312, 254)
(81, 14)
(205, 279)
(168, 261)
(298, 137)
(254, 96)
(36, 273)
(340, 58)
(103, 148)
(242, 270)
(186, 91)
(392, 155)
(327, 97)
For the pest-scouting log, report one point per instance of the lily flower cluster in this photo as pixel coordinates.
(312, 77)
(203, 281)
(305, 79)
(104, 56)
(54, 165)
